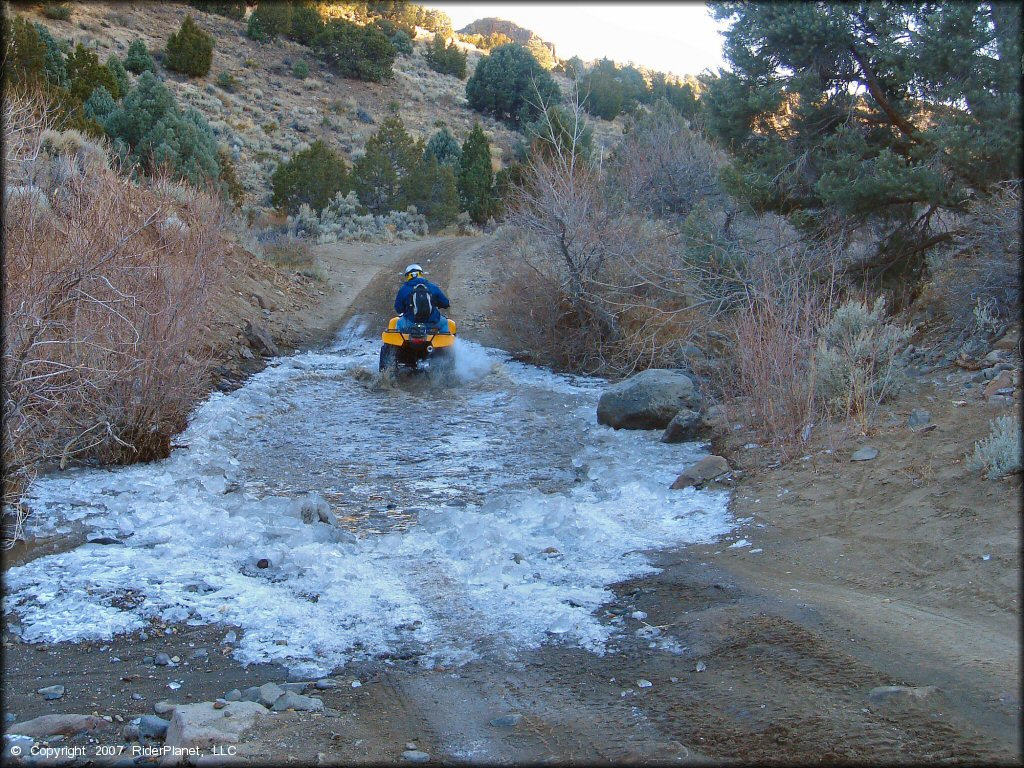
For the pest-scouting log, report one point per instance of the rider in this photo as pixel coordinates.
(403, 304)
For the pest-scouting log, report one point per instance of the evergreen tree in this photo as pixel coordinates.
(509, 84)
(306, 22)
(100, 104)
(190, 49)
(85, 73)
(312, 176)
(379, 175)
(26, 58)
(150, 130)
(444, 147)
(56, 68)
(881, 112)
(138, 59)
(270, 20)
(120, 74)
(431, 187)
(446, 58)
(476, 177)
(361, 53)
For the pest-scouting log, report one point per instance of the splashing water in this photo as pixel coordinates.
(473, 520)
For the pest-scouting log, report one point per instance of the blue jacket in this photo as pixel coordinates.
(402, 306)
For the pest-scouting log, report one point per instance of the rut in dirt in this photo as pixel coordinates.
(476, 516)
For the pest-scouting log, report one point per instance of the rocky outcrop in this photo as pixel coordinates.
(648, 400)
(260, 340)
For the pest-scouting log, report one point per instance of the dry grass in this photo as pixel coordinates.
(105, 289)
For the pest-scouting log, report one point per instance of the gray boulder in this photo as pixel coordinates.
(703, 471)
(202, 726)
(648, 400)
(298, 702)
(686, 426)
(260, 340)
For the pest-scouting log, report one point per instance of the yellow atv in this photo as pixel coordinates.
(418, 343)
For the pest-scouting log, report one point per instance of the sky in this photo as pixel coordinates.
(672, 37)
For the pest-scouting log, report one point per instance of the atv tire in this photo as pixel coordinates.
(388, 360)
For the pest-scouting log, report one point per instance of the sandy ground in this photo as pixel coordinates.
(903, 570)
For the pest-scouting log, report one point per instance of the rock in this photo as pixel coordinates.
(506, 721)
(700, 667)
(294, 687)
(268, 693)
(9, 717)
(867, 453)
(685, 426)
(326, 684)
(415, 756)
(260, 340)
(161, 660)
(246, 353)
(918, 418)
(200, 653)
(233, 695)
(164, 707)
(1003, 381)
(15, 745)
(263, 563)
(642, 683)
(263, 302)
(58, 725)
(298, 702)
(152, 727)
(900, 695)
(52, 692)
(704, 470)
(202, 726)
(147, 659)
(648, 400)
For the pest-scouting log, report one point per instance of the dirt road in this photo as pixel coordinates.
(765, 652)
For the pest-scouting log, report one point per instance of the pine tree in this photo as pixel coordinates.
(138, 59)
(190, 49)
(85, 73)
(312, 176)
(883, 113)
(379, 175)
(120, 74)
(444, 147)
(431, 187)
(476, 177)
(509, 84)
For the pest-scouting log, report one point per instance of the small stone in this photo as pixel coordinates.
(233, 695)
(147, 659)
(641, 683)
(52, 692)
(175, 659)
(263, 563)
(164, 707)
(9, 717)
(161, 660)
(506, 721)
(700, 667)
(143, 637)
(200, 653)
(919, 417)
(867, 453)
(219, 704)
(705, 470)
(137, 697)
(415, 756)
(231, 636)
(326, 684)
(356, 684)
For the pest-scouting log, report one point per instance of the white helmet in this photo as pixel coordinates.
(412, 270)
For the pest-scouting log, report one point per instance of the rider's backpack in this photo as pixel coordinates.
(420, 303)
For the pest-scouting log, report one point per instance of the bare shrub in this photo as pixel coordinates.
(105, 293)
(289, 252)
(977, 280)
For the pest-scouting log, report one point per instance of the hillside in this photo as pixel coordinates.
(493, 25)
(271, 114)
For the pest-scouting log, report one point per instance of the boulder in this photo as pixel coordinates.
(685, 426)
(315, 508)
(1000, 385)
(648, 400)
(260, 340)
(298, 702)
(919, 417)
(269, 693)
(57, 725)
(902, 696)
(700, 473)
(202, 726)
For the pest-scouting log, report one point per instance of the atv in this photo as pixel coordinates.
(411, 347)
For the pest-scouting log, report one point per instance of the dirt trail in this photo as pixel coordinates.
(775, 651)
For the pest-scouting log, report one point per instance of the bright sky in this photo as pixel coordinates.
(672, 37)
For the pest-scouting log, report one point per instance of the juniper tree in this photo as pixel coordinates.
(882, 113)
(476, 177)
